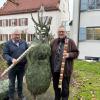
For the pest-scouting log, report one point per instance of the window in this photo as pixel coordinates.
(30, 37)
(23, 22)
(0, 22)
(6, 22)
(3, 37)
(23, 35)
(84, 5)
(91, 4)
(26, 21)
(82, 34)
(94, 4)
(98, 4)
(93, 33)
(10, 36)
(3, 23)
(65, 23)
(9, 22)
(14, 22)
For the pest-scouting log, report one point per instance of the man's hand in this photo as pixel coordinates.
(66, 55)
(14, 61)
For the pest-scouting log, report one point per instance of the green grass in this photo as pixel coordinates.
(84, 83)
(86, 77)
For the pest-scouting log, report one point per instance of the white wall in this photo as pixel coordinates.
(64, 9)
(89, 48)
(90, 18)
(56, 21)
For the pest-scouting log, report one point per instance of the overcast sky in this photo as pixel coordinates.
(70, 6)
(2, 2)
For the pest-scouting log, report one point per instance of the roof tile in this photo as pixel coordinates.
(28, 6)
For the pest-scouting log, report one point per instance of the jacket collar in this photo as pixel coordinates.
(62, 39)
(12, 41)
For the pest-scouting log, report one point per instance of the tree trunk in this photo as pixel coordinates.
(34, 97)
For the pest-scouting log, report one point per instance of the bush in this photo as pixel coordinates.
(3, 89)
(3, 64)
(38, 74)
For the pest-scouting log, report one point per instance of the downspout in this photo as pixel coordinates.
(78, 24)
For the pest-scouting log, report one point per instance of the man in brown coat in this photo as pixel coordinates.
(57, 48)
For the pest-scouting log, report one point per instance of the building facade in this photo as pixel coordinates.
(86, 28)
(18, 16)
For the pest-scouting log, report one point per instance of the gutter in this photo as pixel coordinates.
(4, 13)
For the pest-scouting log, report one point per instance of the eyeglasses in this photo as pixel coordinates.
(61, 31)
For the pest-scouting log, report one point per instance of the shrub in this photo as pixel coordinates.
(38, 74)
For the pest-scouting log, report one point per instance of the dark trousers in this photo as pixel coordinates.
(64, 94)
(13, 74)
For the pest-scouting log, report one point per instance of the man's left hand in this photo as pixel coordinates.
(66, 55)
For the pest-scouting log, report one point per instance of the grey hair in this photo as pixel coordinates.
(16, 31)
(61, 26)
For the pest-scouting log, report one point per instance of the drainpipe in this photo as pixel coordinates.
(76, 21)
(78, 24)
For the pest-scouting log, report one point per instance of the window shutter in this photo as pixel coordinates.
(84, 5)
(82, 34)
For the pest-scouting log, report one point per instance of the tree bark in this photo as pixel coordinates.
(34, 97)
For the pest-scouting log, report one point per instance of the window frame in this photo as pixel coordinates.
(93, 34)
(95, 6)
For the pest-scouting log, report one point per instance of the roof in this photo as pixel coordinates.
(25, 6)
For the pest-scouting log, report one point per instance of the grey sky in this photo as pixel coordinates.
(2, 2)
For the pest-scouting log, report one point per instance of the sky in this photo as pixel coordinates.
(70, 6)
(2, 2)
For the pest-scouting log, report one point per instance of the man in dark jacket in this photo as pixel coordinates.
(57, 48)
(11, 51)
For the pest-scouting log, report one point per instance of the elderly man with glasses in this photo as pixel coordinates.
(58, 53)
(11, 51)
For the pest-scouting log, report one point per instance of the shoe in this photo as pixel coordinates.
(64, 98)
(10, 99)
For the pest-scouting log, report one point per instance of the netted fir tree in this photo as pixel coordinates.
(38, 74)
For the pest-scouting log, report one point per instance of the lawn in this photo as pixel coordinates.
(85, 82)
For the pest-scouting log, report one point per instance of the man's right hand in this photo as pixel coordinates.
(14, 61)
